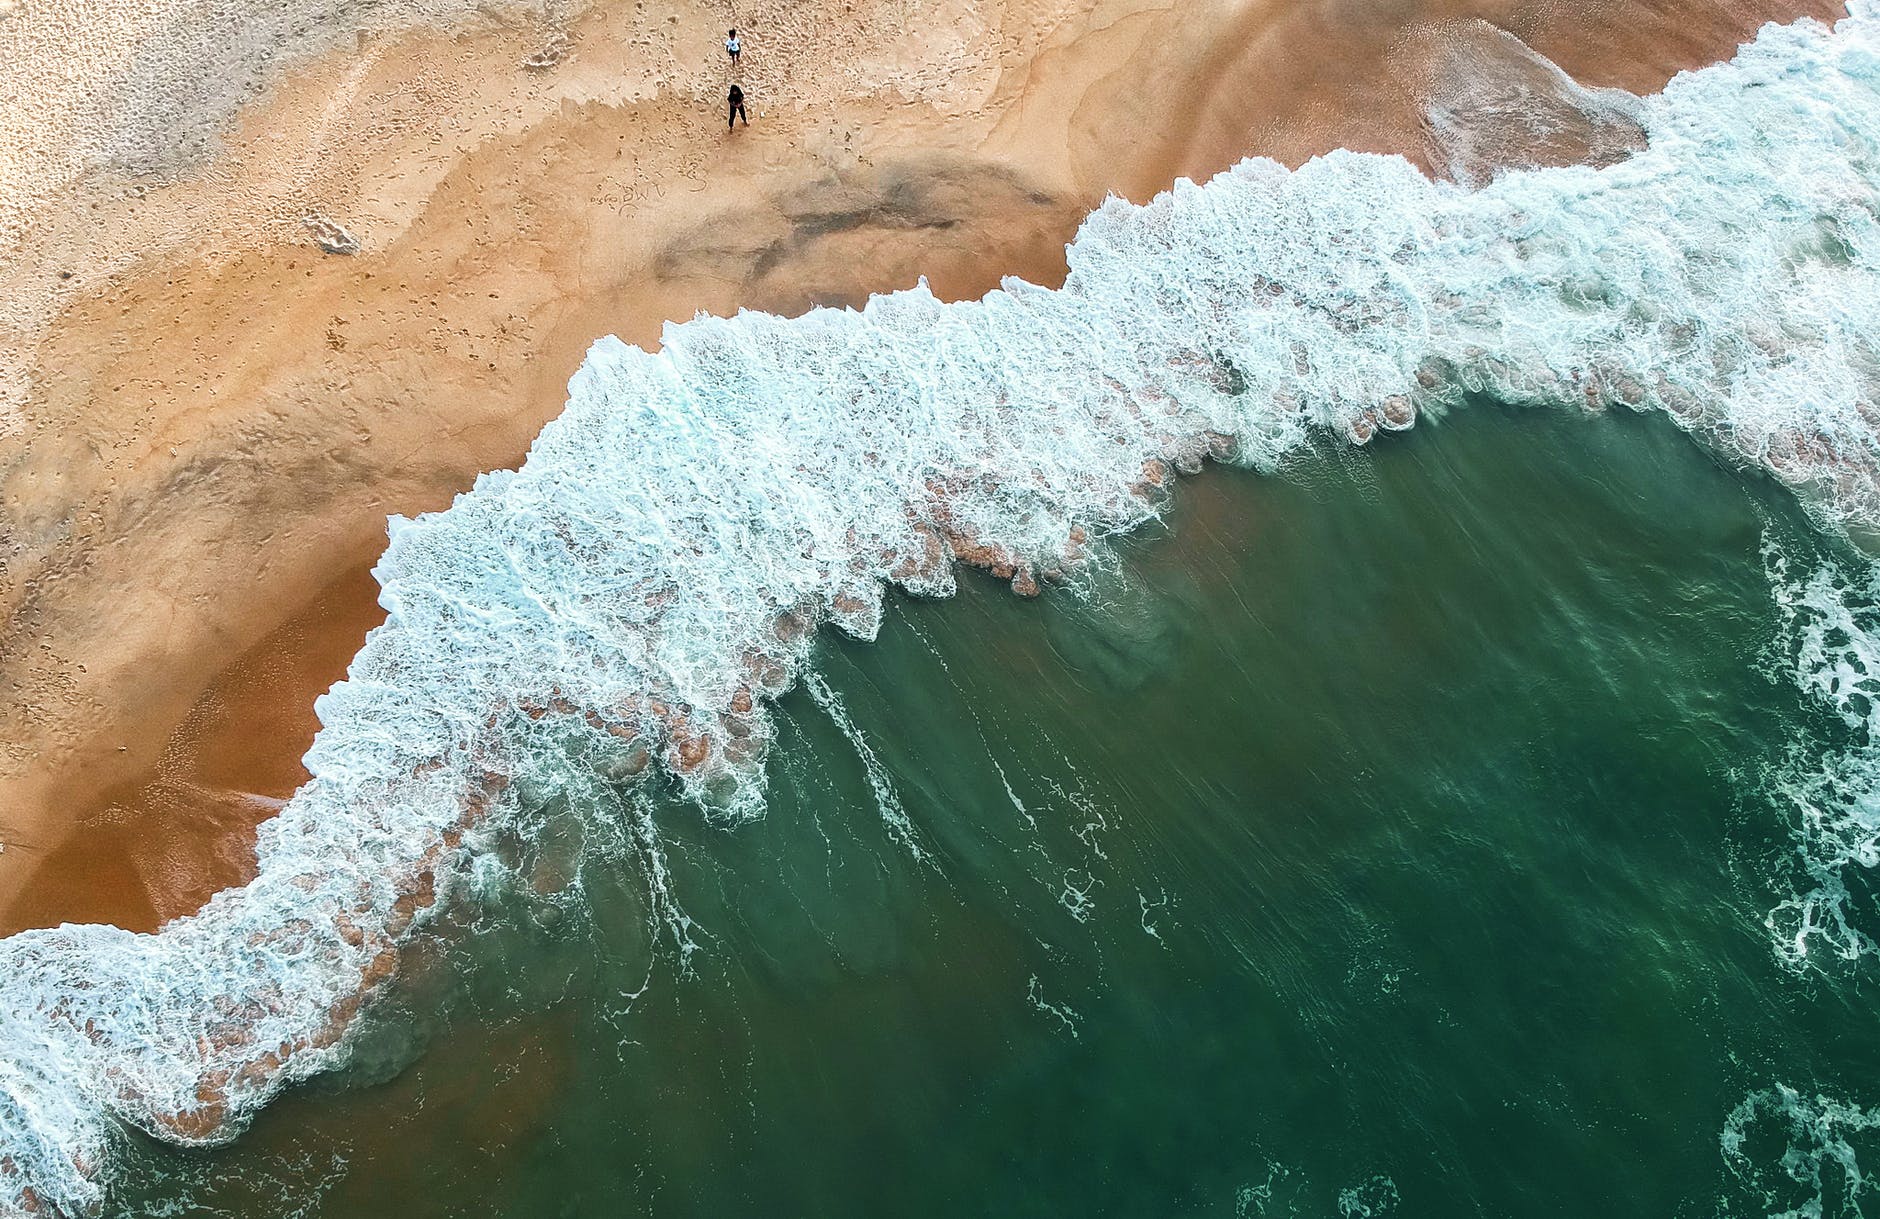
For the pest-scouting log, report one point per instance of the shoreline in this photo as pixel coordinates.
(651, 578)
(161, 536)
(165, 841)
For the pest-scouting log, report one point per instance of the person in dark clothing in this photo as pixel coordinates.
(736, 99)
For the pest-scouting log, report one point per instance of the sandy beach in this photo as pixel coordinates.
(208, 416)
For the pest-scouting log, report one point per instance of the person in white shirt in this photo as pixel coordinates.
(733, 46)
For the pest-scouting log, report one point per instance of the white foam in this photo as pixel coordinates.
(1372, 1197)
(887, 800)
(1818, 1167)
(1830, 647)
(657, 567)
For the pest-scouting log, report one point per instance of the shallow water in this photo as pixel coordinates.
(633, 597)
(1395, 835)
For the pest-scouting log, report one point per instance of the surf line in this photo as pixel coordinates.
(629, 601)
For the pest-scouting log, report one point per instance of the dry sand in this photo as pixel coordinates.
(204, 417)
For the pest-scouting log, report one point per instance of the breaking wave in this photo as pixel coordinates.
(628, 601)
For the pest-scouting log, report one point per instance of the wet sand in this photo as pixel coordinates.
(220, 414)
(163, 841)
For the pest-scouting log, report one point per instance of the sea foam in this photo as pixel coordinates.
(628, 601)
(1829, 646)
(1819, 1167)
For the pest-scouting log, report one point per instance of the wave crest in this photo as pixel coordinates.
(629, 599)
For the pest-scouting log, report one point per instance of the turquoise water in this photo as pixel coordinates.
(1489, 817)
(1393, 836)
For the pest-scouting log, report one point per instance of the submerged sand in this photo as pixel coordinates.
(209, 416)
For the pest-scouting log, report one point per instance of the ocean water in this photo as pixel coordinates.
(1493, 807)
(1398, 835)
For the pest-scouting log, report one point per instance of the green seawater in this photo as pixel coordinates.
(1392, 836)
